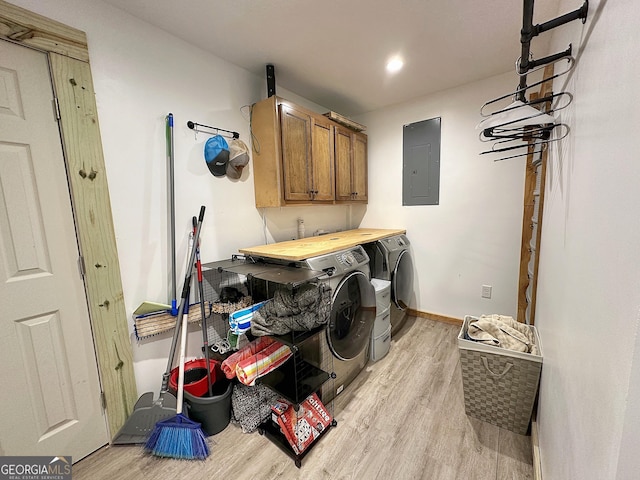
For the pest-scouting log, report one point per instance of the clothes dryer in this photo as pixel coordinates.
(390, 259)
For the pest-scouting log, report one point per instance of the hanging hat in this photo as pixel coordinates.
(216, 154)
(238, 158)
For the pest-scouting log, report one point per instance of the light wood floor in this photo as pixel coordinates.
(403, 418)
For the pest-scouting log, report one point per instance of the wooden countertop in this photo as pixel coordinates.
(313, 246)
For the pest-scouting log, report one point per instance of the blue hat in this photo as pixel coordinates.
(216, 154)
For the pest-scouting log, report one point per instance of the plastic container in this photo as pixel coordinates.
(213, 413)
(381, 344)
(383, 295)
(195, 376)
(381, 324)
(500, 385)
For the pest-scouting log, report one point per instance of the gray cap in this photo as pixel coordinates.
(238, 158)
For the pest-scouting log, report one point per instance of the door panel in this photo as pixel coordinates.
(359, 172)
(296, 153)
(323, 184)
(402, 280)
(49, 373)
(343, 164)
(352, 316)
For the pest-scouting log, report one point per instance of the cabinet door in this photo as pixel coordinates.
(296, 153)
(343, 164)
(359, 179)
(323, 178)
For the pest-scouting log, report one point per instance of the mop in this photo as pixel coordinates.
(146, 308)
(152, 318)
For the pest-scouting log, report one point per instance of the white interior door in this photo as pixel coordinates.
(50, 402)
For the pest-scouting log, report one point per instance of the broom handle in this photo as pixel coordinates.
(183, 347)
(184, 304)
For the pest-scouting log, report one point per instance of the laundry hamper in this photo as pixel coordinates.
(500, 385)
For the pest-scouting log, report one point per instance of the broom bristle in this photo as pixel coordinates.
(178, 437)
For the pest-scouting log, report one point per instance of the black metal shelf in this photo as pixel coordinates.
(295, 380)
(273, 433)
(294, 339)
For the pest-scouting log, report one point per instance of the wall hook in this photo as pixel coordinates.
(197, 127)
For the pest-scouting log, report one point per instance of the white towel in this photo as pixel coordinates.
(503, 331)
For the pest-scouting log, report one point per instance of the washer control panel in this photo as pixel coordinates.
(346, 259)
(339, 262)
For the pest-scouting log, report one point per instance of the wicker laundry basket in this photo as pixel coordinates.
(500, 385)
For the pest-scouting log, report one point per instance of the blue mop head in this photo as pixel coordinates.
(178, 437)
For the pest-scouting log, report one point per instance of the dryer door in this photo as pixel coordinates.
(353, 312)
(402, 280)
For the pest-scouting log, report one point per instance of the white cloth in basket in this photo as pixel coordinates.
(502, 331)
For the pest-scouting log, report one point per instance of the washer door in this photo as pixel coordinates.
(353, 312)
(402, 280)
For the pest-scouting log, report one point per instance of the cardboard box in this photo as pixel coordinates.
(302, 427)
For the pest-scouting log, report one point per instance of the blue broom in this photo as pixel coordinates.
(179, 437)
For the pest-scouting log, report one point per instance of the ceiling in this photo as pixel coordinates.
(334, 52)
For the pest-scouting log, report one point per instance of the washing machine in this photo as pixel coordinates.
(343, 347)
(390, 259)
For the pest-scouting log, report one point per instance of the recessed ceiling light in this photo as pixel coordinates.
(394, 64)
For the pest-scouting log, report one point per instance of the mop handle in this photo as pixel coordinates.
(172, 217)
(184, 303)
(205, 334)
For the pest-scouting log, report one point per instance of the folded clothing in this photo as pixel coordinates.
(302, 309)
(502, 331)
(251, 405)
(240, 320)
(256, 359)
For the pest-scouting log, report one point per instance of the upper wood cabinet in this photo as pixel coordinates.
(307, 160)
(294, 157)
(351, 165)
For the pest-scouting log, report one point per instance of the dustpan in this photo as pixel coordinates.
(146, 413)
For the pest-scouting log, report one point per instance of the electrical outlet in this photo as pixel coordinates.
(486, 291)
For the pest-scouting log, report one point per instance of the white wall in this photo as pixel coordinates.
(472, 238)
(588, 304)
(140, 74)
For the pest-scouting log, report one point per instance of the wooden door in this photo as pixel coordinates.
(343, 155)
(296, 154)
(322, 159)
(51, 390)
(359, 167)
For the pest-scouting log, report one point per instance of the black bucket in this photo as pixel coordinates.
(213, 413)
